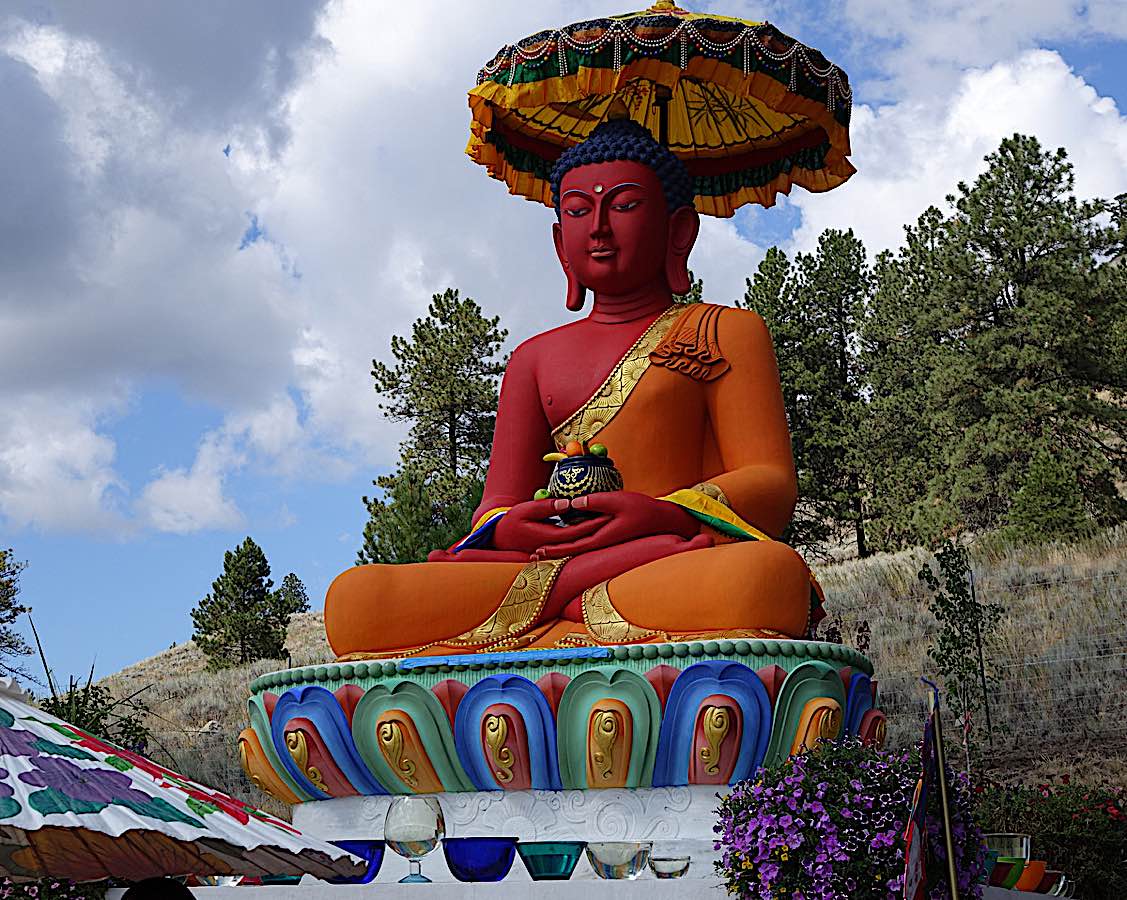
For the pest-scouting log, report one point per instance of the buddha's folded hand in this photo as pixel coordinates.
(527, 527)
(619, 517)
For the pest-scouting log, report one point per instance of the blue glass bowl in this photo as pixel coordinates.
(550, 860)
(370, 851)
(479, 858)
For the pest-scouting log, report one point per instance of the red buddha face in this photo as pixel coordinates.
(616, 234)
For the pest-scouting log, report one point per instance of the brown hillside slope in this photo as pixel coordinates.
(1060, 660)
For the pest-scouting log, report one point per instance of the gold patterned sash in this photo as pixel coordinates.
(518, 611)
(605, 625)
(593, 416)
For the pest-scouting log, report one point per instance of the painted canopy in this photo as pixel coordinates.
(749, 110)
(75, 807)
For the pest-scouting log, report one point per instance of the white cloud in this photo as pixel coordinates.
(724, 260)
(185, 500)
(924, 48)
(910, 155)
(120, 264)
(56, 471)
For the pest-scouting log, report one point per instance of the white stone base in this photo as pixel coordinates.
(678, 820)
(645, 888)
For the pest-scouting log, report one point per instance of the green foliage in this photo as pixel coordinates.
(813, 307)
(95, 710)
(966, 627)
(1080, 830)
(1049, 505)
(995, 338)
(411, 518)
(12, 645)
(243, 619)
(445, 384)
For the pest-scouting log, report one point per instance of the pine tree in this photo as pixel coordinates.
(1049, 505)
(773, 293)
(243, 619)
(996, 337)
(812, 308)
(898, 450)
(407, 522)
(12, 646)
(445, 384)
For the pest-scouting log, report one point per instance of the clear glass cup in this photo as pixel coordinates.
(413, 828)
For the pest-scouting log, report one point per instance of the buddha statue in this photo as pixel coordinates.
(687, 399)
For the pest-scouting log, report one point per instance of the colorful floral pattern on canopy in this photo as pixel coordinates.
(75, 807)
(749, 110)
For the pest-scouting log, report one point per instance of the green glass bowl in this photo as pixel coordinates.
(550, 860)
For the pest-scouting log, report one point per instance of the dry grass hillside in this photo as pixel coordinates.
(1059, 660)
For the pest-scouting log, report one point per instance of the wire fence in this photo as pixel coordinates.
(1072, 696)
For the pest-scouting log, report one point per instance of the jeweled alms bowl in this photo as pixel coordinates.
(577, 476)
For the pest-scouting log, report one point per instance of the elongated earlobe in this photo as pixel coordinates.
(576, 292)
(684, 226)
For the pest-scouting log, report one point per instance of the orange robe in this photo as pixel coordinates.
(693, 414)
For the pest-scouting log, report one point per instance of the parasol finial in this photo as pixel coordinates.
(664, 6)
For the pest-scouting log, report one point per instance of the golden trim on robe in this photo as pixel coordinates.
(593, 416)
(605, 623)
(518, 611)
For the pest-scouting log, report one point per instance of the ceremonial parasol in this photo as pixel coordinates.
(75, 807)
(749, 110)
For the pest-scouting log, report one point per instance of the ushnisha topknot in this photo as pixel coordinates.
(624, 140)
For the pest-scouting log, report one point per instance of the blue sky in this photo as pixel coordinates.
(186, 334)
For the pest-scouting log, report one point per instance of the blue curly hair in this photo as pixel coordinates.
(624, 140)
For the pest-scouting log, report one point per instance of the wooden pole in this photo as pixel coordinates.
(952, 875)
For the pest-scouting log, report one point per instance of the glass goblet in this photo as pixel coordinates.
(413, 828)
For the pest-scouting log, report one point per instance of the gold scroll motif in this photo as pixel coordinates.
(255, 779)
(299, 750)
(518, 611)
(501, 757)
(604, 622)
(717, 723)
(880, 733)
(258, 769)
(593, 416)
(604, 735)
(821, 717)
(829, 726)
(390, 736)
